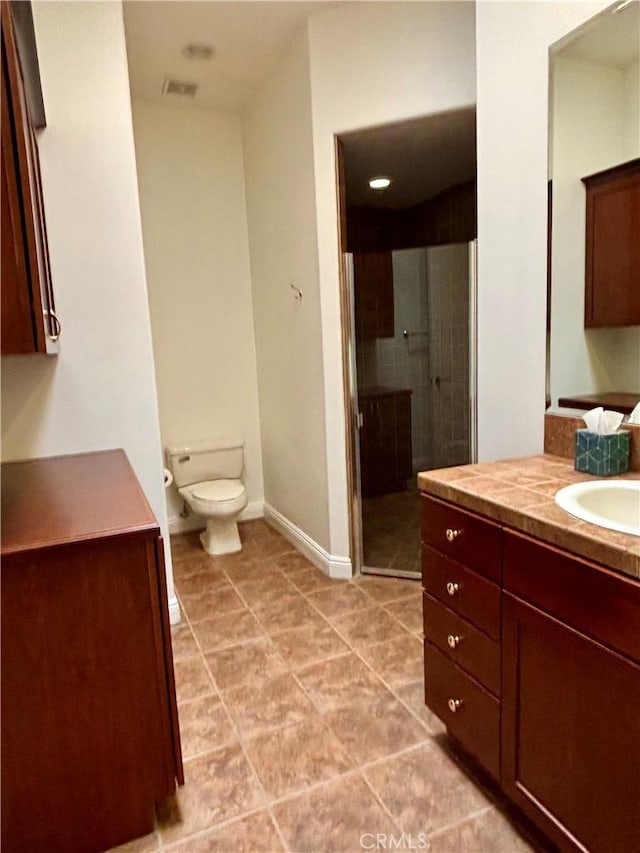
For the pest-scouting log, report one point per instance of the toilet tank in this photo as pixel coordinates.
(198, 461)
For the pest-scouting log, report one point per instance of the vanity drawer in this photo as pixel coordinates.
(462, 536)
(462, 643)
(472, 715)
(598, 602)
(462, 590)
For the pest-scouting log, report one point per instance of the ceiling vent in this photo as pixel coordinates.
(179, 87)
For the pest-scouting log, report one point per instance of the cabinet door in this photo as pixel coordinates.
(570, 732)
(373, 286)
(29, 323)
(612, 270)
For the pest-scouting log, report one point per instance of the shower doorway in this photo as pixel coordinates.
(414, 395)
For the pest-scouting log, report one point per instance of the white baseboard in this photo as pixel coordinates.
(177, 524)
(335, 567)
(174, 611)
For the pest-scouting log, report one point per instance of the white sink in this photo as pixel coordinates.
(610, 503)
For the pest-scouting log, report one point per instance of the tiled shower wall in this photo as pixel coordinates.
(404, 363)
(430, 293)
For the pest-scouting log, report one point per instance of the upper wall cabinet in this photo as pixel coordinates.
(373, 293)
(29, 321)
(612, 270)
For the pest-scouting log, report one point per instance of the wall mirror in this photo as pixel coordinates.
(593, 323)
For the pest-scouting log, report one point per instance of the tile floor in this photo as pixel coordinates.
(302, 717)
(391, 531)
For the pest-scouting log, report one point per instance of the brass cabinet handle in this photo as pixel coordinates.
(454, 705)
(453, 588)
(452, 534)
(453, 640)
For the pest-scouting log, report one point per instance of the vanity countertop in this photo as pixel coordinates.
(519, 493)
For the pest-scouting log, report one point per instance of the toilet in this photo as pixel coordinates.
(207, 475)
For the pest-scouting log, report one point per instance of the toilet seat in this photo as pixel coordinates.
(216, 497)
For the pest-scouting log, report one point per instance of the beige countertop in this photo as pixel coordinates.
(519, 493)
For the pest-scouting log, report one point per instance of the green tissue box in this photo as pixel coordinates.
(602, 455)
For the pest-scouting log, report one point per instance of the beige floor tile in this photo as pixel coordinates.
(210, 603)
(183, 643)
(201, 580)
(276, 703)
(244, 568)
(218, 786)
(304, 646)
(342, 598)
(488, 832)
(397, 661)
(297, 757)
(425, 790)
(408, 611)
(265, 592)
(291, 612)
(227, 629)
(311, 580)
(373, 728)
(340, 681)
(253, 834)
(192, 678)
(371, 625)
(292, 561)
(204, 726)
(147, 844)
(340, 817)
(250, 663)
(388, 589)
(413, 695)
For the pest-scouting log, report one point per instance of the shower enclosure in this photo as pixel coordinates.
(413, 392)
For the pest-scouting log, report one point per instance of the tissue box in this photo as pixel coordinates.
(602, 455)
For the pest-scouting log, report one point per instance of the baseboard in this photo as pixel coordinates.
(335, 567)
(177, 524)
(174, 611)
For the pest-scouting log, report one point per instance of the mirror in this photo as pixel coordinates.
(594, 126)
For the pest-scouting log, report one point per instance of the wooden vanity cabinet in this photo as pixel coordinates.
(462, 625)
(571, 696)
(552, 640)
(612, 258)
(90, 738)
(385, 440)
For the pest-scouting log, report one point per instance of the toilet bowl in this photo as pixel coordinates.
(207, 475)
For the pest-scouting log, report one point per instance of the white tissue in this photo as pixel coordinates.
(634, 417)
(168, 478)
(601, 422)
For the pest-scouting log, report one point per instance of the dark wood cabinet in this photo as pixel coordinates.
(612, 261)
(90, 738)
(373, 294)
(29, 321)
(385, 441)
(532, 659)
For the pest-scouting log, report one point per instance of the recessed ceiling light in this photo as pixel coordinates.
(380, 183)
(198, 50)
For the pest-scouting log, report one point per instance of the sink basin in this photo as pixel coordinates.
(614, 504)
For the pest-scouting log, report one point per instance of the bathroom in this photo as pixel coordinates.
(148, 188)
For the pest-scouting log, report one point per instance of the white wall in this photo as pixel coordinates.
(591, 133)
(513, 40)
(372, 63)
(282, 228)
(192, 199)
(100, 391)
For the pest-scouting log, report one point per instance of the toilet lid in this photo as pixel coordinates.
(218, 490)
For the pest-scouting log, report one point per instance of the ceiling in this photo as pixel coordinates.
(247, 36)
(609, 39)
(422, 157)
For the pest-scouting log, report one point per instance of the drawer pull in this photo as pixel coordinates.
(452, 534)
(454, 705)
(453, 640)
(453, 588)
